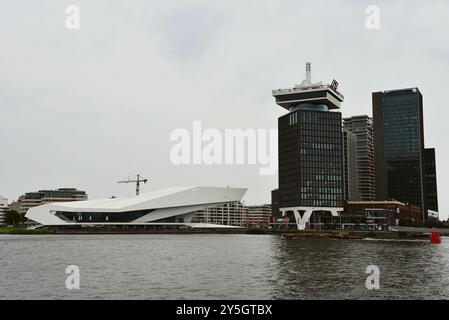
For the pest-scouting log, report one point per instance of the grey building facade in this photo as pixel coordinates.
(362, 127)
(350, 177)
(34, 199)
(3, 209)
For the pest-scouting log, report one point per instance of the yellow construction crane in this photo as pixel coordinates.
(137, 179)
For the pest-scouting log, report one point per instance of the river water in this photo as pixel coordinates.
(212, 266)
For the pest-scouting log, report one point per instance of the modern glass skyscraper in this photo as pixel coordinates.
(362, 127)
(399, 146)
(310, 149)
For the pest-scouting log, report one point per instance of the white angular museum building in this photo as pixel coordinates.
(173, 207)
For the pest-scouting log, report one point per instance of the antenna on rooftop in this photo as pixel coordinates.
(309, 72)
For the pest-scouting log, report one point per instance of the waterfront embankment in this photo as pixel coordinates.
(16, 230)
(286, 234)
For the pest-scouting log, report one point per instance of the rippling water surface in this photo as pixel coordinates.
(219, 267)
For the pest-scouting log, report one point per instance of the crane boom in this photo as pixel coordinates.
(137, 179)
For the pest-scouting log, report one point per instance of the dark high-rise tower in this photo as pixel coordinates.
(310, 149)
(362, 127)
(430, 179)
(399, 146)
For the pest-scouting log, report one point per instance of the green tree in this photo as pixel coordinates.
(12, 217)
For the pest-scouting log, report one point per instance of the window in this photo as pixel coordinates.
(293, 119)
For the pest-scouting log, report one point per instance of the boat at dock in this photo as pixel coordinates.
(320, 235)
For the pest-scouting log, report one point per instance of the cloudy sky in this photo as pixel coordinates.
(87, 107)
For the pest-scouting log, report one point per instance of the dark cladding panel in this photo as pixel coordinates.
(275, 203)
(301, 96)
(378, 121)
(431, 179)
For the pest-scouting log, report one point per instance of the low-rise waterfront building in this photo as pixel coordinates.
(368, 215)
(380, 214)
(226, 214)
(34, 199)
(258, 216)
(3, 209)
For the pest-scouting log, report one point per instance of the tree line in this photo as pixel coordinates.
(14, 218)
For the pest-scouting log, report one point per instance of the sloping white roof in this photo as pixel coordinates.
(123, 202)
(165, 202)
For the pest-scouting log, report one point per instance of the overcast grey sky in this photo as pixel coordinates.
(87, 107)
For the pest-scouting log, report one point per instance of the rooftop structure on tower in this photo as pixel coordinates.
(309, 94)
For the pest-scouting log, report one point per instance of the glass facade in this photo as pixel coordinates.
(402, 147)
(399, 147)
(83, 217)
(310, 159)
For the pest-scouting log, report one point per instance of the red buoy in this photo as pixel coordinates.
(435, 238)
